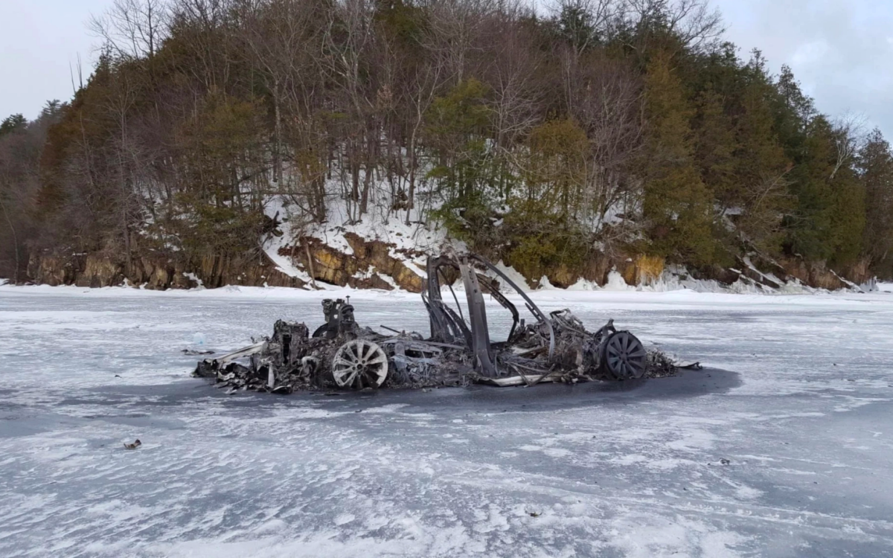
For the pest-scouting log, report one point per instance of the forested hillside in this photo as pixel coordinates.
(550, 137)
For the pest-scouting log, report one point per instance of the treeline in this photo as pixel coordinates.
(611, 126)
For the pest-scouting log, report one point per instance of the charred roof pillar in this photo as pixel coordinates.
(477, 317)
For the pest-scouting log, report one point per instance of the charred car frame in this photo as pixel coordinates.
(458, 351)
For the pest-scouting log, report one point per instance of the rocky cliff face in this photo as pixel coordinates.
(154, 271)
(368, 264)
(373, 264)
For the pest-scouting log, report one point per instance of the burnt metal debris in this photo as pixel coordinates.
(459, 351)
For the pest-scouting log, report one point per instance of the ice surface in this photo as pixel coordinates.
(796, 396)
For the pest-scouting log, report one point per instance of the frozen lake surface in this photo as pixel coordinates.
(796, 396)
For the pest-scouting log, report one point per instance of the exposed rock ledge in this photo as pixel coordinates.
(373, 264)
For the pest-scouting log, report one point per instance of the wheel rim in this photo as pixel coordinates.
(625, 356)
(358, 364)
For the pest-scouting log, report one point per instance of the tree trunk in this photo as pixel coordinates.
(15, 242)
(277, 147)
(354, 180)
(310, 265)
(364, 198)
(128, 262)
(410, 197)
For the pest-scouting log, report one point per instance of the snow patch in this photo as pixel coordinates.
(545, 284)
(584, 285)
(344, 518)
(283, 263)
(510, 272)
(616, 282)
(192, 277)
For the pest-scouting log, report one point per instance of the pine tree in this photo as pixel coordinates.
(715, 147)
(12, 123)
(875, 167)
(808, 225)
(847, 222)
(677, 206)
(760, 164)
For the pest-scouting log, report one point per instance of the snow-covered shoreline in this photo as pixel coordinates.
(628, 295)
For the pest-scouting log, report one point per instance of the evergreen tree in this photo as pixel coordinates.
(761, 166)
(875, 167)
(542, 221)
(464, 169)
(12, 123)
(715, 147)
(677, 206)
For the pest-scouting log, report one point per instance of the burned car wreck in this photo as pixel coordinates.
(459, 351)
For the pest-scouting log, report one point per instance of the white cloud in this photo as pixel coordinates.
(840, 50)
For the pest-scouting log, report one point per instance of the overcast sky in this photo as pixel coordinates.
(840, 50)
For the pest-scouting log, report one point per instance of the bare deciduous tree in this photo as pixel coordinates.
(133, 28)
